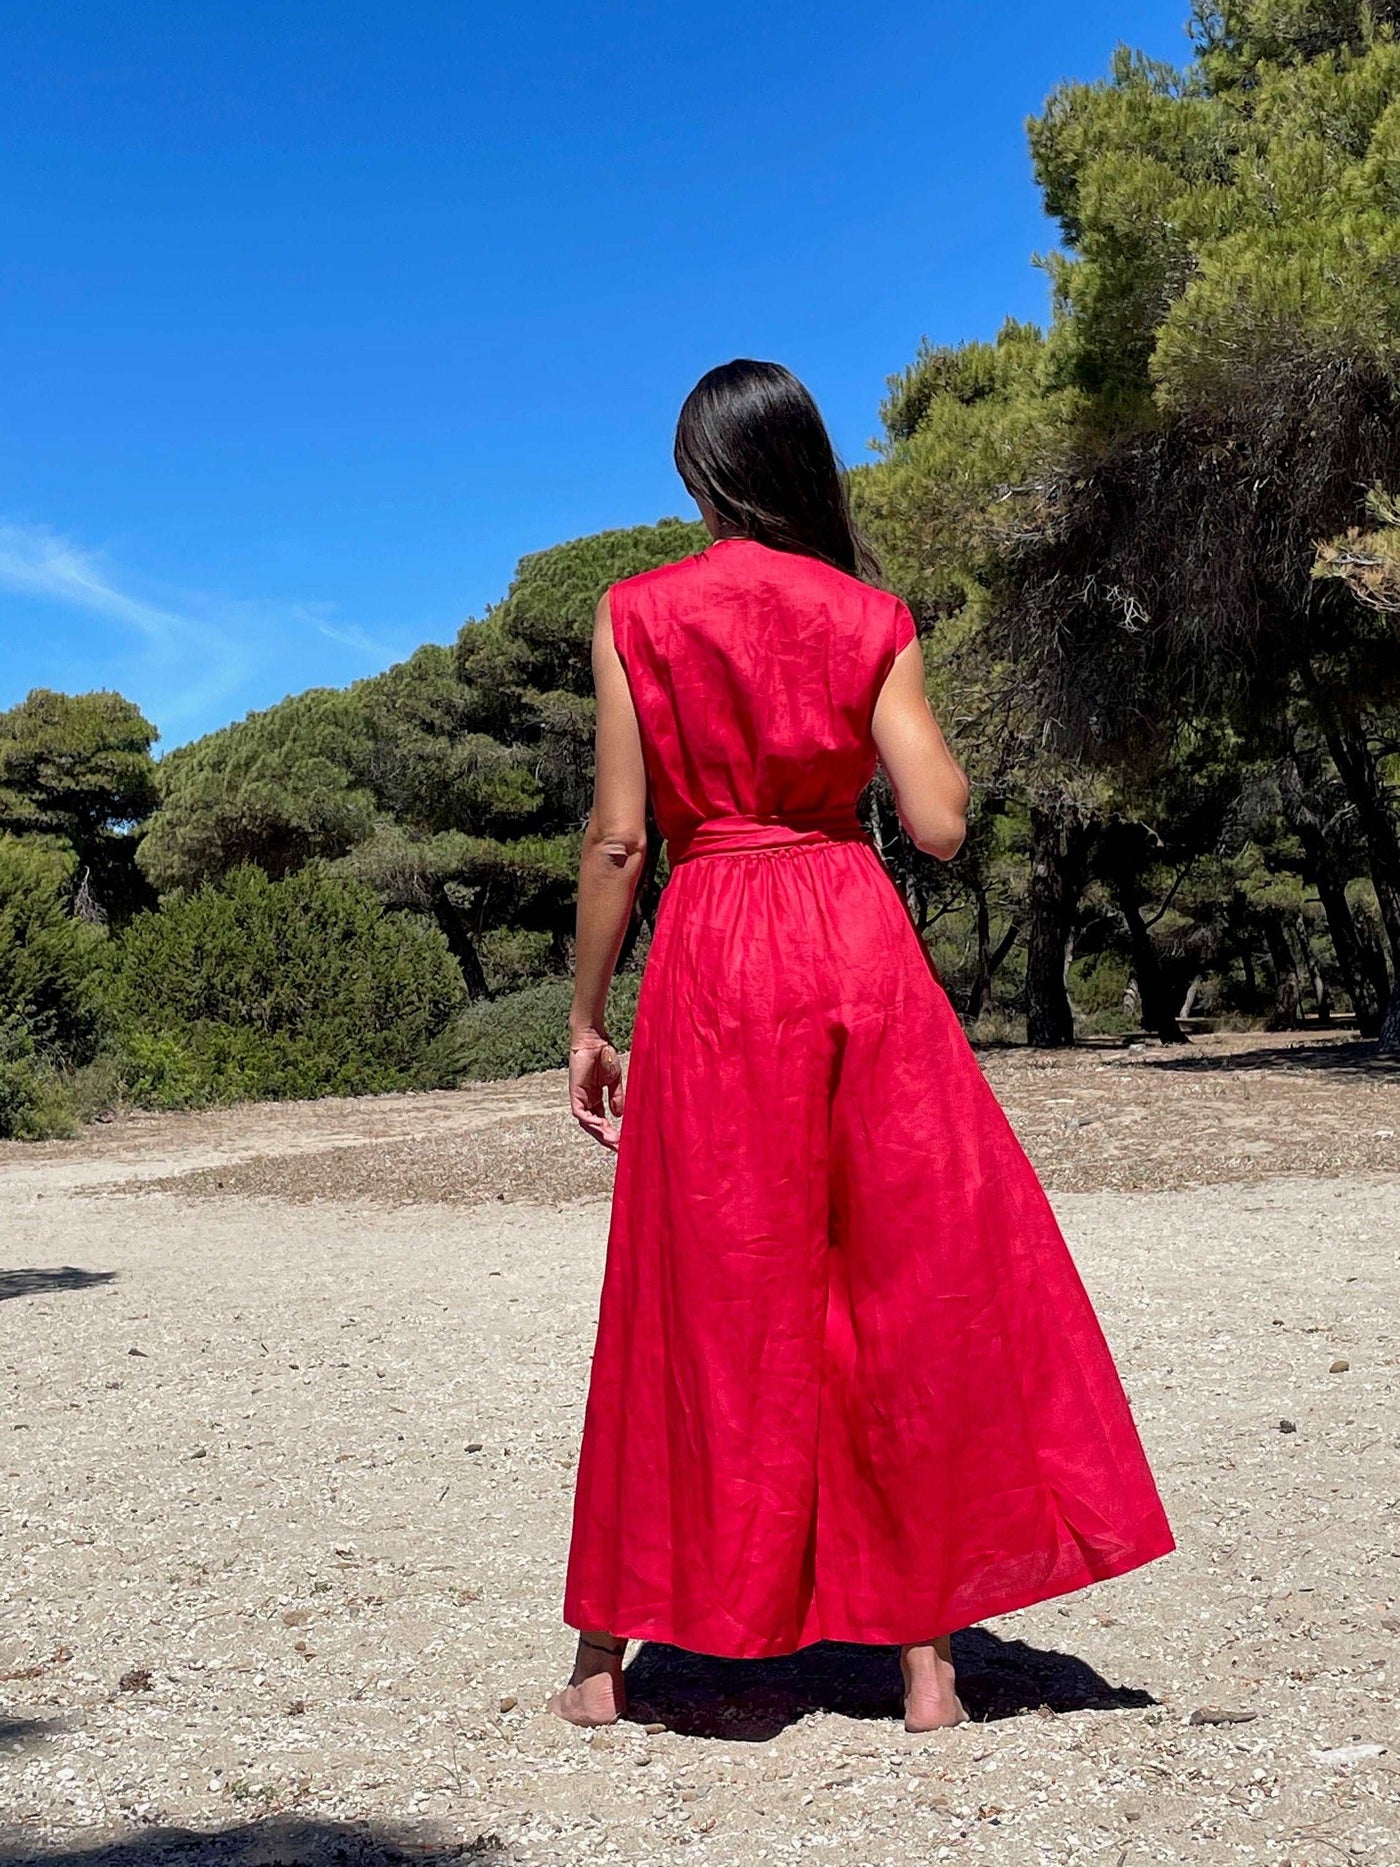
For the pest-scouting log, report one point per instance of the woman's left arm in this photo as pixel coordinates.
(614, 850)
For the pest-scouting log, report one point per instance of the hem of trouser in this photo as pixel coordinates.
(889, 1634)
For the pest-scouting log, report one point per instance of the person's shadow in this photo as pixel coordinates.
(753, 1700)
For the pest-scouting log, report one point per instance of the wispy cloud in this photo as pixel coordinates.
(189, 659)
(350, 635)
(197, 660)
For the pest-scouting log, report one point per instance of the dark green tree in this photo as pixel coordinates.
(457, 783)
(1227, 309)
(47, 956)
(78, 767)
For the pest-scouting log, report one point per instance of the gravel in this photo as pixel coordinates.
(285, 1473)
(1224, 1111)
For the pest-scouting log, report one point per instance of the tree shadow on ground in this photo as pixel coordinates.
(20, 1733)
(42, 1283)
(1314, 1059)
(753, 1700)
(276, 1842)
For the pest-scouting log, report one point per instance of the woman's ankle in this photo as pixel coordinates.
(598, 1653)
(940, 1649)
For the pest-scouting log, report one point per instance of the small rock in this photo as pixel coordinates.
(509, 1704)
(297, 1708)
(1217, 1714)
(475, 1446)
(643, 1759)
(1287, 1426)
(137, 1680)
(296, 1617)
(653, 1730)
(1339, 1366)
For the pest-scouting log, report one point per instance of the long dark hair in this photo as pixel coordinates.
(752, 444)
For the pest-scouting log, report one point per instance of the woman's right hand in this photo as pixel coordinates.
(595, 1074)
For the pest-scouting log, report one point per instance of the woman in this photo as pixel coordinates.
(847, 1383)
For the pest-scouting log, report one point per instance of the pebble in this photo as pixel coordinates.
(321, 1486)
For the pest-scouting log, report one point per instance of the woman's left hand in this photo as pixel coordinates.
(595, 1070)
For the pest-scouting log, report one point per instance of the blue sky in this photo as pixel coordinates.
(316, 318)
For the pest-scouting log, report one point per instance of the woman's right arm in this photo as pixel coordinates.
(930, 787)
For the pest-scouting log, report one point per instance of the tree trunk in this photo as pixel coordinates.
(1361, 966)
(1286, 1015)
(450, 919)
(1059, 866)
(1389, 1045)
(980, 980)
(1345, 733)
(1322, 998)
(989, 957)
(1157, 1014)
(1372, 946)
(1357, 965)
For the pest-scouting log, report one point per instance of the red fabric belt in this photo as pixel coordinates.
(737, 835)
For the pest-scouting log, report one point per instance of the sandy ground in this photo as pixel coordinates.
(291, 1405)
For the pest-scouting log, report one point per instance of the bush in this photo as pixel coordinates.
(252, 988)
(97, 1088)
(1098, 985)
(34, 1104)
(47, 959)
(528, 1030)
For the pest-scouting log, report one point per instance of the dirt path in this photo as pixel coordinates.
(285, 1469)
(1222, 1110)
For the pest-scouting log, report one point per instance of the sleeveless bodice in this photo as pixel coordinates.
(754, 674)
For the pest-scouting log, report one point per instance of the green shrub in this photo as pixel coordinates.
(1098, 985)
(515, 957)
(996, 1026)
(47, 959)
(34, 1104)
(97, 1088)
(527, 1030)
(252, 989)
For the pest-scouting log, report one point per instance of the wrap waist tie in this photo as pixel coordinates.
(740, 836)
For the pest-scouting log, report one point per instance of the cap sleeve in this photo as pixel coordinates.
(617, 616)
(905, 630)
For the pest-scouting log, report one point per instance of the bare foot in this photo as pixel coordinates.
(931, 1701)
(595, 1694)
